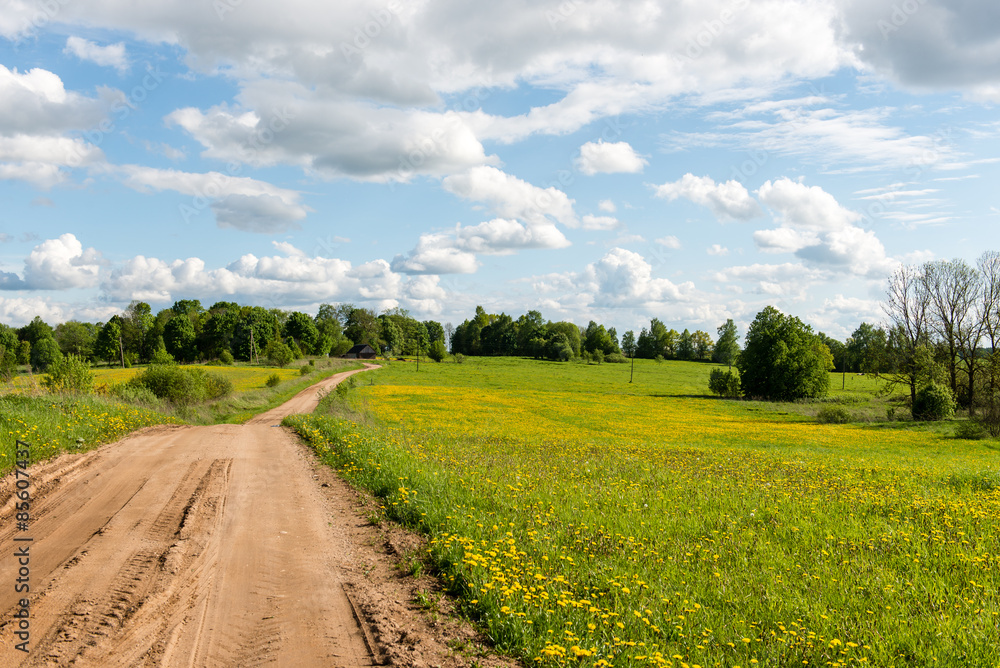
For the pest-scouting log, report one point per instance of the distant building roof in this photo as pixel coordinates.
(363, 348)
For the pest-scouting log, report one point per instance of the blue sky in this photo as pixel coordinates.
(592, 160)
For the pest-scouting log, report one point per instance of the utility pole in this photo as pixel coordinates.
(121, 349)
(251, 346)
(632, 373)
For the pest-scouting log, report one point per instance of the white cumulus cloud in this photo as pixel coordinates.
(602, 157)
(729, 200)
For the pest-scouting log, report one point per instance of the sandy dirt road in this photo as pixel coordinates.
(190, 546)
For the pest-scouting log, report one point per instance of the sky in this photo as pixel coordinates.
(690, 160)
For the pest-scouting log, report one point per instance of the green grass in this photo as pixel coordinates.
(55, 424)
(583, 519)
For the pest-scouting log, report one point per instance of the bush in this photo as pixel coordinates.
(834, 415)
(459, 358)
(724, 382)
(616, 358)
(182, 386)
(971, 430)
(278, 353)
(272, 380)
(70, 374)
(172, 383)
(161, 356)
(216, 386)
(305, 370)
(226, 358)
(598, 356)
(437, 351)
(933, 402)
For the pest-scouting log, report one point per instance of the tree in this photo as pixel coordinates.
(278, 353)
(303, 330)
(108, 346)
(9, 346)
(136, 322)
(952, 290)
(362, 326)
(597, 338)
(782, 359)
(76, 338)
(906, 308)
(727, 346)
(435, 332)
(217, 328)
(45, 353)
(35, 331)
(685, 346)
(179, 339)
(702, 344)
(437, 350)
(628, 343)
(500, 336)
(866, 349)
(255, 327)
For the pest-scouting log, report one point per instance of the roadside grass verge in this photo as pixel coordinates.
(584, 522)
(53, 424)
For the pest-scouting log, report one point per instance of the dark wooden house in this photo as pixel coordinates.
(362, 352)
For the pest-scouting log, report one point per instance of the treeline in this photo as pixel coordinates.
(188, 332)
(532, 336)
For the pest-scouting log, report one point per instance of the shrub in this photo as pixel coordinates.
(278, 353)
(616, 358)
(459, 358)
(724, 382)
(598, 356)
(216, 386)
(182, 386)
(933, 402)
(226, 358)
(161, 356)
(437, 351)
(172, 383)
(834, 415)
(305, 370)
(70, 374)
(272, 380)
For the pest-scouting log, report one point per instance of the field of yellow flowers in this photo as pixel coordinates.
(244, 378)
(588, 521)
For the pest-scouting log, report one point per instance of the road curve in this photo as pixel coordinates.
(184, 546)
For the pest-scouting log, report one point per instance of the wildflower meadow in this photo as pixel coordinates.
(585, 520)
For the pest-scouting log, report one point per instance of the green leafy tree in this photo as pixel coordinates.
(702, 344)
(685, 346)
(866, 349)
(435, 331)
(9, 346)
(362, 327)
(303, 330)
(783, 360)
(45, 353)
(628, 343)
(217, 328)
(500, 336)
(107, 346)
(727, 346)
(530, 327)
(255, 327)
(437, 351)
(35, 331)
(179, 338)
(76, 338)
(278, 353)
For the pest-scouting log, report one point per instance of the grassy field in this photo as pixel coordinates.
(588, 521)
(53, 423)
(244, 378)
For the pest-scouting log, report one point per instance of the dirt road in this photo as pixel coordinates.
(193, 546)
